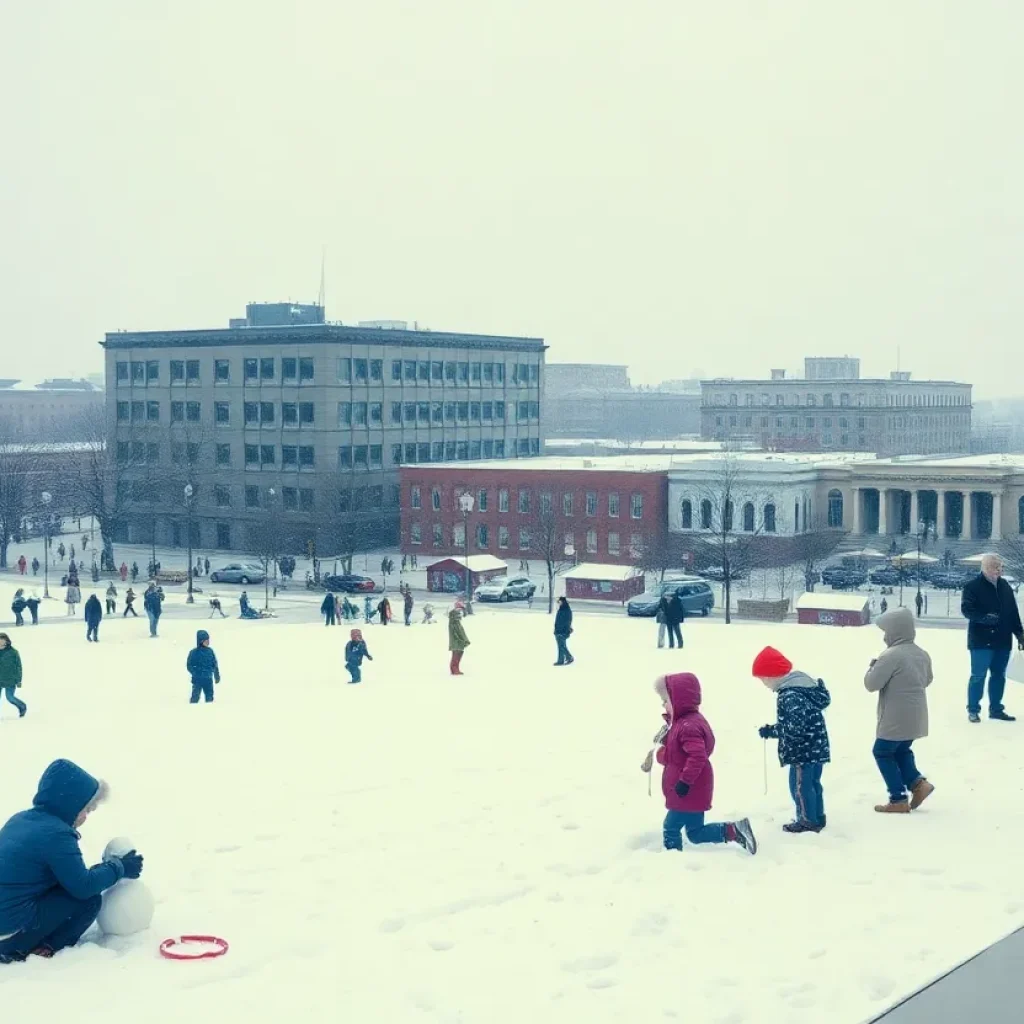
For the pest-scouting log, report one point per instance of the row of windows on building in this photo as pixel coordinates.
(482, 535)
(795, 422)
(301, 370)
(845, 399)
(350, 456)
(748, 520)
(545, 501)
(360, 414)
(919, 422)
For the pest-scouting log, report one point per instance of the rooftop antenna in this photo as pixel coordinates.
(322, 295)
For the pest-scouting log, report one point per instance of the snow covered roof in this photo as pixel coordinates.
(596, 571)
(475, 563)
(564, 464)
(832, 602)
(1008, 462)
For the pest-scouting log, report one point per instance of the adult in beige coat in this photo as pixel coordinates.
(900, 675)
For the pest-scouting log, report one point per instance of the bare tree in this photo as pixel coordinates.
(268, 541)
(659, 551)
(550, 539)
(813, 548)
(732, 519)
(19, 465)
(1012, 551)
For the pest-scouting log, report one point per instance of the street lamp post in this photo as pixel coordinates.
(188, 527)
(266, 565)
(922, 535)
(47, 497)
(466, 505)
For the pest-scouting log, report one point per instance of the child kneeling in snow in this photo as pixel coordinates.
(355, 651)
(48, 897)
(688, 781)
(801, 732)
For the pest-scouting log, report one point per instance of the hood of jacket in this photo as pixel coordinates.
(201, 637)
(812, 690)
(898, 626)
(65, 790)
(681, 690)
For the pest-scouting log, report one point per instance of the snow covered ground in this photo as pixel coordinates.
(483, 849)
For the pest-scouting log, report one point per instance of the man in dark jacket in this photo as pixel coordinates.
(202, 666)
(48, 898)
(407, 604)
(153, 603)
(327, 609)
(93, 617)
(563, 629)
(674, 615)
(993, 619)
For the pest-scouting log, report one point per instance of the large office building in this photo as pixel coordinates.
(54, 410)
(305, 423)
(833, 410)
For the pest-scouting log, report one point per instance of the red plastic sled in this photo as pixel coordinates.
(167, 947)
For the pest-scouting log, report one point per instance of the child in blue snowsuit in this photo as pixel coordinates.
(202, 666)
(801, 732)
(355, 651)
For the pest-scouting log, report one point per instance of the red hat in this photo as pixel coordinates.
(772, 664)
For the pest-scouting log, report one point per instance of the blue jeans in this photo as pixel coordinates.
(92, 632)
(808, 796)
(8, 692)
(355, 672)
(895, 761)
(563, 650)
(675, 635)
(204, 688)
(153, 620)
(993, 664)
(696, 831)
(60, 921)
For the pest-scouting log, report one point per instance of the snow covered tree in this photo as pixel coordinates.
(19, 463)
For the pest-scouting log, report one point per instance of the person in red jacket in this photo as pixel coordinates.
(688, 781)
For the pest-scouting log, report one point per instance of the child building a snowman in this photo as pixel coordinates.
(48, 897)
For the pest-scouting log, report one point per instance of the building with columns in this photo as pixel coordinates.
(968, 499)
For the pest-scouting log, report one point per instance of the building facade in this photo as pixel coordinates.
(306, 423)
(53, 411)
(886, 416)
(596, 510)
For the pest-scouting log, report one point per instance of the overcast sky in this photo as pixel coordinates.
(680, 185)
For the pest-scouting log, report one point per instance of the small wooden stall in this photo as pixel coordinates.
(833, 609)
(448, 576)
(590, 581)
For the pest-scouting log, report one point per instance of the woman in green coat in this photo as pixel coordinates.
(10, 673)
(457, 639)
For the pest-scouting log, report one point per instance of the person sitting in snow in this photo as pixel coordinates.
(203, 668)
(900, 676)
(48, 897)
(247, 610)
(428, 615)
(801, 732)
(355, 651)
(685, 746)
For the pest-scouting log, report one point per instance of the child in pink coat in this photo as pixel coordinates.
(688, 781)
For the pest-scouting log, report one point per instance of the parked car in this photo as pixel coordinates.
(716, 573)
(951, 579)
(829, 573)
(238, 572)
(350, 583)
(696, 595)
(848, 579)
(888, 576)
(501, 588)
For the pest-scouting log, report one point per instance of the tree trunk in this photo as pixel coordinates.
(4, 542)
(727, 589)
(551, 587)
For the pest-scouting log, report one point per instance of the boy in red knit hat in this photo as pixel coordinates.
(801, 732)
(688, 781)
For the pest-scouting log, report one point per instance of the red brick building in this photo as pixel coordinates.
(596, 510)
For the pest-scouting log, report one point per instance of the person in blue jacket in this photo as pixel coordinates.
(202, 666)
(48, 897)
(355, 651)
(93, 618)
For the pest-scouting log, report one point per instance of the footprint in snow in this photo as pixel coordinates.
(440, 945)
(598, 962)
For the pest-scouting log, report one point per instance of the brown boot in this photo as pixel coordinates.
(919, 792)
(893, 808)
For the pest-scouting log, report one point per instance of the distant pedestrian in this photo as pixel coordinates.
(124, 572)
(884, 606)
(22, 564)
(355, 652)
(72, 596)
(199, 566)
(135, 571)
(206, 566)
(111, 599)
(926, 604)
(428, 615)
(672, 609)
(203, 668)
(368, 610)
(407, 605)
(10, 674)
(93, 617)
(384, 611)
(129, 604)
(85, 541)
(32, 603)
(457, 639)
(35, 566)
(215, 608)
(659, 618)
(563, 630)
(71, 552)
(404, 560)
(61, 550)
(18, 606)
(153, 603)
(327, 609)
(919, 603)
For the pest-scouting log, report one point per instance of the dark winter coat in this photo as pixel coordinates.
(674, 614)
(10, 668)
(408, 602)
(992, 613)
(688, 746)
(355, 651)
(801, 732)
(93, 611)
(202, 662)
(152, 602)
(327, 605)
(39, 848)
(18, 605)
(563, 620)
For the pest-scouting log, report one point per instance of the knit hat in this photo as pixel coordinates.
(356, 634)
(771, 664)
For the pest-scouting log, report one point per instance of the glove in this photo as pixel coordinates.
(682, 789)
(767, 732)
(648, 762)
(132, 864)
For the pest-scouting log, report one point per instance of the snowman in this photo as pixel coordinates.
(127, 906)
